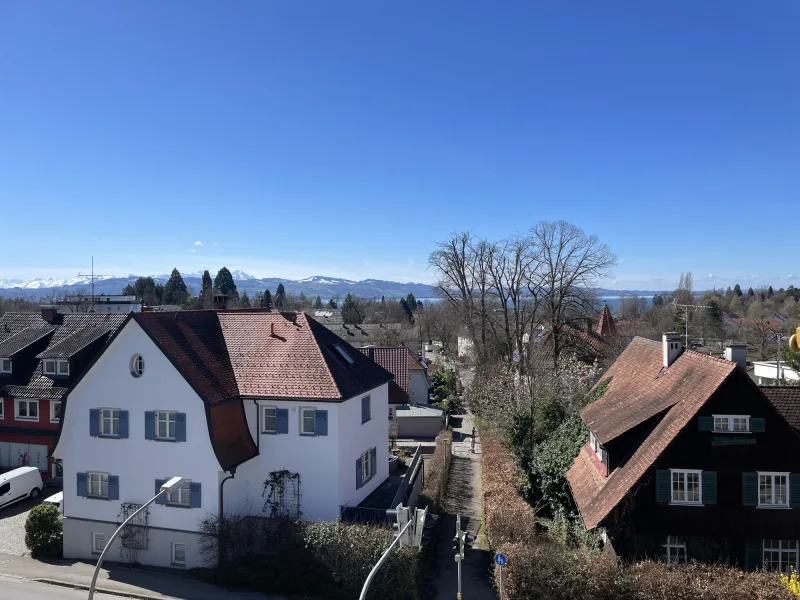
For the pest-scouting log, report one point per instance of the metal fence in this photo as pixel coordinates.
(364, 515)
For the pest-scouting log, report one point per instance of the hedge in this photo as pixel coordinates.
(44, 531)
(434, 486)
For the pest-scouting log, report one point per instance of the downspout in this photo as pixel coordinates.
(222, 514)
(258, 427)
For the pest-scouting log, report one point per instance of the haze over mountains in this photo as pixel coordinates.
(321, 285)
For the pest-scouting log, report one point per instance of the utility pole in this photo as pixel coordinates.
(686, 307)
(92, 276)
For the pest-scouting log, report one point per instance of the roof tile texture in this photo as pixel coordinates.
(787, 400)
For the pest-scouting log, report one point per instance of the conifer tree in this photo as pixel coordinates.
(318, 302)
(175, 291)
(244, 300)
(266, 300)
(224, 283)
(737, 289)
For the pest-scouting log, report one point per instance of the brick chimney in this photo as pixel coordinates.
(737, 353)
(50, 314)
(672, 345)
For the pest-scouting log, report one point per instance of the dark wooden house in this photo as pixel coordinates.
(688, 459)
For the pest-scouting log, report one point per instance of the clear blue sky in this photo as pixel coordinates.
(344, 138)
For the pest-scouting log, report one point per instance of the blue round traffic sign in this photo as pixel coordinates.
(500, 559)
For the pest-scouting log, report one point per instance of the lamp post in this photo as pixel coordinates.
(170, 486)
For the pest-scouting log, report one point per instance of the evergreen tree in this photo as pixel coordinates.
(332, 303)
(244, 300)
(302, 299)
(159, 293)
(351, 311)
(729, 293)
(383, 301)
(224, 283)
(128, 290)
(280, 297)
(280, 291)
(318, 302)
(406, 309)
(770, 292)
(206, 279)
(750, 292)
(175, 291)
(412, 302)
(737, 289)
(266, 300)
(420, 306)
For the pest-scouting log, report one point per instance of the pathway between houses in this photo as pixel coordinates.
(464, 497)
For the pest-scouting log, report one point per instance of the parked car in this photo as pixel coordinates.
(16, 485)
(56, 500)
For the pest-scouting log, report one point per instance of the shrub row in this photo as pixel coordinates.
(553, 571)
(509, 518)
(437, 469)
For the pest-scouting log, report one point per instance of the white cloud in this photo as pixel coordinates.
(198, 243)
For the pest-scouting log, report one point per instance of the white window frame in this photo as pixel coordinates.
(685, 473)
(369, 409)
(672, 550)
(49, 362)
(597, 447)
(366, 468)
(177, 497)
(5, 365)
(772, 475)
(96, 536)
(769, 546)
(264, 410)
(28, 403)
(303, 411)
(730, 421)
(112, 417)
(175, 562)
(100, 476)
(137, 365)
(63, 363)
(53, 404)
(167, 417)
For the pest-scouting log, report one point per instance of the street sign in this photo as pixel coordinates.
(500, 559)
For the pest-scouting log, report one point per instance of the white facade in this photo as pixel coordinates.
(766, 373)
(326, 464)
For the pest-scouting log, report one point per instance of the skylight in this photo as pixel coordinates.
(345, 355)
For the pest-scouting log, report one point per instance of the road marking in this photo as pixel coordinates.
(13, 578)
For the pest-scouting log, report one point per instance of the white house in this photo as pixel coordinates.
(207, 394)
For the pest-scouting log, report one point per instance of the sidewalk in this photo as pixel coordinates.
(464, 497)
(119, 580)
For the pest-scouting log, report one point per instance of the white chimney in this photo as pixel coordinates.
(737, 353)
(671, 342)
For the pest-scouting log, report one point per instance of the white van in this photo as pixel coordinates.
(16, 485)
(56, 500)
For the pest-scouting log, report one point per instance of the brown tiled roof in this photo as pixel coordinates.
(605, 326)
(584, 479)
(638, 379)
(413, 363)
(22, 339)
(574, 337)
(396, 361)
(786, 399)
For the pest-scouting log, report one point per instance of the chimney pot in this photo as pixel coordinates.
(737, 353)
(672, 347)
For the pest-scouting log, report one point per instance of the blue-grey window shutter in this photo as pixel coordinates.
(365, 409)
(753, 555)
(321, 422)
(794, 490)
(180, 427)
(282, 420)
(705, 423)
(162, 499)
(194, 495)
(709, 487)
(663, 486)
(94, 422)
(123, 423)
(150, 425)
(373, 461)
(82, 484)
(757, 424)
(750, 489)
(358, 473)
(113, 487)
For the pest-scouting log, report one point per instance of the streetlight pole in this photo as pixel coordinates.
(381, 560)
(170, 486)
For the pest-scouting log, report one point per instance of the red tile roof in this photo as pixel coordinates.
(413, 363)
(786, 399)
(639, 389)
(605, 326)
(396, 361)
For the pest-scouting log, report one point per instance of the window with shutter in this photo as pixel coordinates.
(750, 489)
(366, 412)
(663, 492)
(709, 479)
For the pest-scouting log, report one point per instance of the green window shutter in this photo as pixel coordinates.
(705, 423)
(750, 489)
(663, 491)
(709, 487)
(757, 425)
(794, 490)
(753, 555)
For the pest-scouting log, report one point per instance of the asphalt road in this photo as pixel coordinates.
(12, 588)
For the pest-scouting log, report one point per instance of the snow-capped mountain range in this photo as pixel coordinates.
(321, 285)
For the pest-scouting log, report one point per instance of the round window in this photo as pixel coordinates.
(137, 365)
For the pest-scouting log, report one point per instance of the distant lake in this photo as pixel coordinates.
(614, 301)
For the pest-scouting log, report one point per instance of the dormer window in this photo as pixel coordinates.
(56, 368)
(598, 448)
(5, 366)
(63, 367)
(732, 423)
(49, 367)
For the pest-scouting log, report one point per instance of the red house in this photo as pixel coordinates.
(40, 356)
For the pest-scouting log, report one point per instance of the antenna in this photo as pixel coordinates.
(92, 275)
(687, 307)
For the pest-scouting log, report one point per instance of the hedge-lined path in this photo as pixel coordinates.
(464, 497)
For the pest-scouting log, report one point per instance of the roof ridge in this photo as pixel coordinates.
(710, 357)
(319, 351)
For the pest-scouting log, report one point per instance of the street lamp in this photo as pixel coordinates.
(170, 486)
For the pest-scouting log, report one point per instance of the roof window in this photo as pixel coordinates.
(345, 355)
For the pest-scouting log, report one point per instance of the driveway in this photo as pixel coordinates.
(12, 523)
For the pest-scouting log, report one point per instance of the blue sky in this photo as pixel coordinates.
(345, 138)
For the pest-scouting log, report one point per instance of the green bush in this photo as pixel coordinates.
(44, 532)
